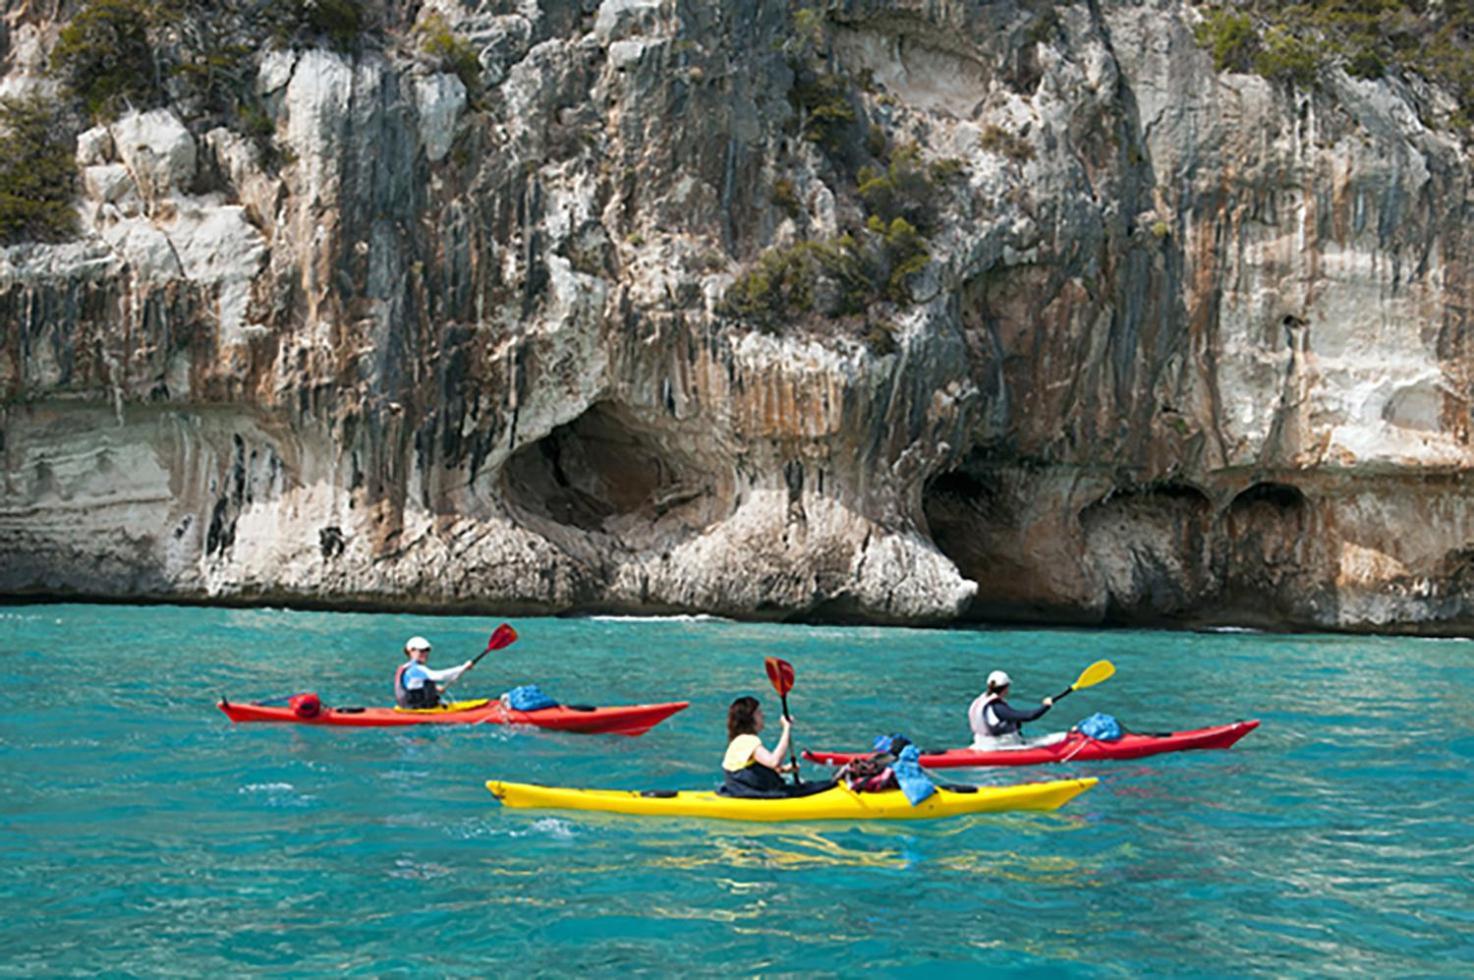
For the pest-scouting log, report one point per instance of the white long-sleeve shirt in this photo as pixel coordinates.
(416, 674)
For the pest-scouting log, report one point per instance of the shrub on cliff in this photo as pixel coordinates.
(839, 277)
(823, 103)
(1364, 62)
(196, 55)
(1285, 57)
(996, 139)
(780, 285)
(1368, 38)
(785, 195)
(104, 55)
(451, 53)
(1230, 37)
(210, 46)
(789, 283)
(946, 169)
(38, 172)
(903, 190)
(903, 253)
(339, 23)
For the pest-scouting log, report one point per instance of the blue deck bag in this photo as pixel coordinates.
(528, 697)
(908, 773)
(1101, 727)
(891, 744)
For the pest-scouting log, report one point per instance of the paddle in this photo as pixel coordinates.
(780, 673)
(1090, 676)
(502, 636)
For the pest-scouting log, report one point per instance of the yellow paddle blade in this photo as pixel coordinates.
(1099, 671)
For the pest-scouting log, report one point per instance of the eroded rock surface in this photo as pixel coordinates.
(1189, 347)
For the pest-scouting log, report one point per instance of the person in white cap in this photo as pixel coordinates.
(994, 723)
(415, 684)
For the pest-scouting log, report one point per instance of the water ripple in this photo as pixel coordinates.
(144, 832)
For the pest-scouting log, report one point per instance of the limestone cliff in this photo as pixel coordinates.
(1186, 345)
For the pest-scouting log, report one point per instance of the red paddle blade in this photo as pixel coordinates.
(502, 636)
(780, 672)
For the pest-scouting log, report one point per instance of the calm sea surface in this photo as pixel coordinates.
(140, 832)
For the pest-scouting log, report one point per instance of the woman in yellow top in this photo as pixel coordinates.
(750, 770)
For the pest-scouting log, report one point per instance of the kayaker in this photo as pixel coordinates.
(415, 684)
(749, 769)
(995, 722)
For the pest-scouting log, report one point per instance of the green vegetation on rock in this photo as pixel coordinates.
(1294, 42)
(1229, 35)
(823, 101)
(105, 56)
(1286, 57)
(946, 169)
(789, 282)
(904, 189)
(340, 23)
(38, 172)
(199, 56)
(451, 53)
(996, 139)
(872, 263)
(785, 195)
(904, 254)
(838, 277)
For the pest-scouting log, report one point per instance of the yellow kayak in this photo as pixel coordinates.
(838, 803)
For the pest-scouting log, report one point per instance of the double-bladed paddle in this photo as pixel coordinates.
(502, 636)
(780, 673)
(1090, 676)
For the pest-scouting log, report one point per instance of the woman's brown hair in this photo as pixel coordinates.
(741, 717)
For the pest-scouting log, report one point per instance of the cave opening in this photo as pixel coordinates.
(607, 472)
(988, 520)
(1277, 496)
(1149, 548)
(964, 510)
(1266, 529)
(1266, 525)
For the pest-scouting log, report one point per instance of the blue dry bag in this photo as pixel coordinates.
(528, 697)
(892, 744)
(912, 780)
(1101, 727)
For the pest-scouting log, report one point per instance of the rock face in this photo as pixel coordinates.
(1189, 347)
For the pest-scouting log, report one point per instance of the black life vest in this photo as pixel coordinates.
(427, 695)
(756, 781)
(1000, 726)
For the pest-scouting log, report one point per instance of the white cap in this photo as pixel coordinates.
(998, 679)
(417, 643)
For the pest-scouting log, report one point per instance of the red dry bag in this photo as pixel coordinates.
(305, 705)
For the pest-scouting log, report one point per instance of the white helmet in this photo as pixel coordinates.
(417, 643)
(998, 680)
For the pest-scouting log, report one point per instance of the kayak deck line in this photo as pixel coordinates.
(1075, 747)
(837, 803)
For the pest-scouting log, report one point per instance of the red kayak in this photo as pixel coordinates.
(1075, 748)
(632, 719)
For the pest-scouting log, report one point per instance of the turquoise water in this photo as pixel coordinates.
(142, 833)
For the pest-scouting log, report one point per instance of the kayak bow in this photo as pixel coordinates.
(634, 719)
(1076, 747)
(838, 803)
